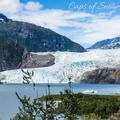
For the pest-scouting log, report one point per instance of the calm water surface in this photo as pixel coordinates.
(9, 102)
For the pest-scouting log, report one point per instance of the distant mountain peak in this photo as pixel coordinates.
(107, 44)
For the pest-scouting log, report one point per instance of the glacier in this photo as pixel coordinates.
(67, 65)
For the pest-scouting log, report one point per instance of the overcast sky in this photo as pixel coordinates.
(83, 21)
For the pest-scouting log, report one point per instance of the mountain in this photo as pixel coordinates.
(13, 56)
(35, 38)
(10, 55)
(107, 44)
(102, 76)
(19, 39)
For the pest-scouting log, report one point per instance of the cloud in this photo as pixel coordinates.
(33, 6)
(82, 27)
(9, 6)
(99, 29)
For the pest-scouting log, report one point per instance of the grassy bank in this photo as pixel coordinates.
(82, 104)
(70, 107)
(92, 107)
(85, 96)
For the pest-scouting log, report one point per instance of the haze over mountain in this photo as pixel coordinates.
(107, 44)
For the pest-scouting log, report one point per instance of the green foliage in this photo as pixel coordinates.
(92, 117)
(36, 109)
(23, 117)
(71, 106)
(38, 39)
(81, 104)
(27, 77)
(102, 106)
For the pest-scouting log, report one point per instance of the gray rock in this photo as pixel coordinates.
(102, 76)
(35, 61)
(10, 55)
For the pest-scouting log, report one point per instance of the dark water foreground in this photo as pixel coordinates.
(9, 102)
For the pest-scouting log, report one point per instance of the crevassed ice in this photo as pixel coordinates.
(68, 65)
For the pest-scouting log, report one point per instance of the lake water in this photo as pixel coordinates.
(9, 102)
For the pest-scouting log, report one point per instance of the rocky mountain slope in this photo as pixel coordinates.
(10, 55)
(18, 37)
(32, 60)
(35, 38)
(13, 56)
(107, 44)
(102, 76)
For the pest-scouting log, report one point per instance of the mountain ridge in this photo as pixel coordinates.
(18, 39)
(36, 38)
(107, 44)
